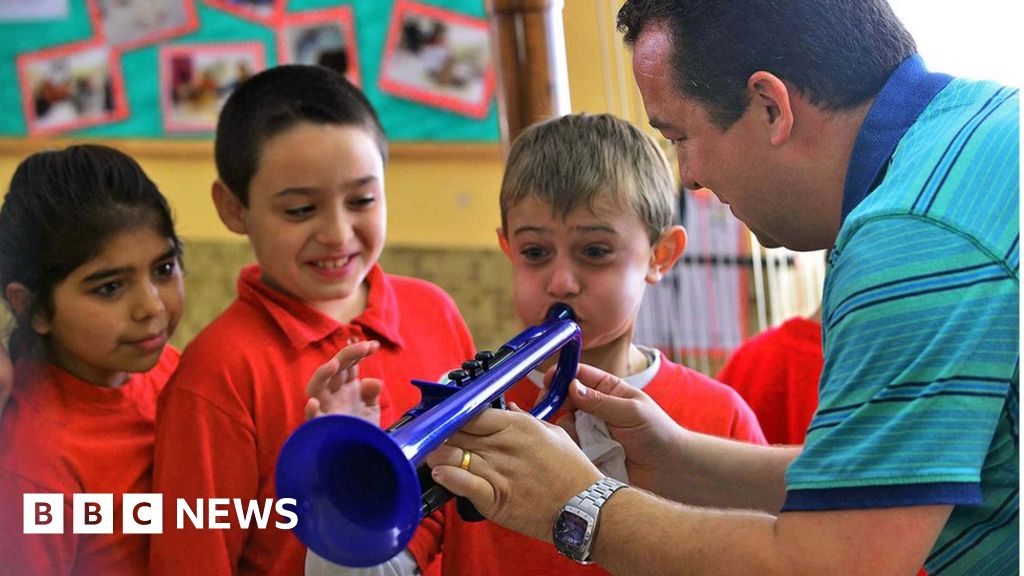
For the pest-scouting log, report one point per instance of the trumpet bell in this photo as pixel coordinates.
(360, 516)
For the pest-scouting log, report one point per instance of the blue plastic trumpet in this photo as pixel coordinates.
(358, 494)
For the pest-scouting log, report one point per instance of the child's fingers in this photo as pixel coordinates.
(369, 391)
(350, 393)
(335, 387)
(351, 373)
(313, 409)
(340, 398)
(348, 359)
(351, 355)
(345, 400)
(321, 377)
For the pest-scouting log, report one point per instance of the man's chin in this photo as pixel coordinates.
(767, 241)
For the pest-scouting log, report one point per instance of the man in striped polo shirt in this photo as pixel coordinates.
(820, 126)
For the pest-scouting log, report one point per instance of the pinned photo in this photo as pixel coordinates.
(196, 80)
(71, 87)
(322, 37)
(440, 58)
(126, 24)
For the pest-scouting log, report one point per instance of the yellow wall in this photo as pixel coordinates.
(438, 195)
(600, 68)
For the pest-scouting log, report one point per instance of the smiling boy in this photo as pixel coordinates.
(300, 154)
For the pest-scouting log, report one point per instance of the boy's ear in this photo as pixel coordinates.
(666, 251)
(229, 207)
(771, 94)
(503, 242)
(22, 299)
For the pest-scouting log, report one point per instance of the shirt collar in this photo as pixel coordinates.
(905, 95)
(382, 313)
(305, 325)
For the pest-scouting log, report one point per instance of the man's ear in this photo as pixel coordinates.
(771, 94)
(22, 300)
(503, 242)
(666, 251)
(229, 207)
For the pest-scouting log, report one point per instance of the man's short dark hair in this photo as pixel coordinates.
(837, 53)
(275, 100)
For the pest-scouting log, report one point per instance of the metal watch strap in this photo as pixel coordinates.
(590, 501)
(596, 495)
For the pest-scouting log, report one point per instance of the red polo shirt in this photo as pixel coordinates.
(62, 435)
(240, 391)
(777, 373)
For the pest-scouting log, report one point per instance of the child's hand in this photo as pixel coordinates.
(335, 387)
(6, 378)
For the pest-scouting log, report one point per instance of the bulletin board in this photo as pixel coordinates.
(103, 69)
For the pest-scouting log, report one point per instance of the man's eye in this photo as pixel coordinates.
(363, 202)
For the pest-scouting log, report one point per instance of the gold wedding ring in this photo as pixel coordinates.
(466, 457)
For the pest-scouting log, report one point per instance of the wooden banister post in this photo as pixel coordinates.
(532, 81)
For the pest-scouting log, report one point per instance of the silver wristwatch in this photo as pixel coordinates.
(576, 525)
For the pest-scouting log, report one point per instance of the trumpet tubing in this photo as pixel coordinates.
(359, 496)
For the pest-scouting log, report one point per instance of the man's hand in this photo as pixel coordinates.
(521, 470)
(335, 387)
(649, 436)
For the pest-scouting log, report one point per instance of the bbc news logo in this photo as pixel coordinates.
(144, 514)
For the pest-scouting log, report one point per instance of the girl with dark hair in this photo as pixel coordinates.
(90, 268)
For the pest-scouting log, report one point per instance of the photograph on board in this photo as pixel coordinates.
(196, 80)
(440, 58)
(321, 37)
(70, 87)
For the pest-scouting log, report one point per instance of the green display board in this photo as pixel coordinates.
(136, 99)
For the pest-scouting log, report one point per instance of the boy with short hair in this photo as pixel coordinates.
(587, 220)
(300, 156)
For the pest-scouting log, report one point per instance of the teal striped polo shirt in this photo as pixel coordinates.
(919, 393)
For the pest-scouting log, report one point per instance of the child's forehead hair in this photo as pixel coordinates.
(576, 160)
(599, 204)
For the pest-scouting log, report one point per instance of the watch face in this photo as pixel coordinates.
(571, 529)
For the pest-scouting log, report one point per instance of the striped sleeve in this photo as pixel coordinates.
(921, 350)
